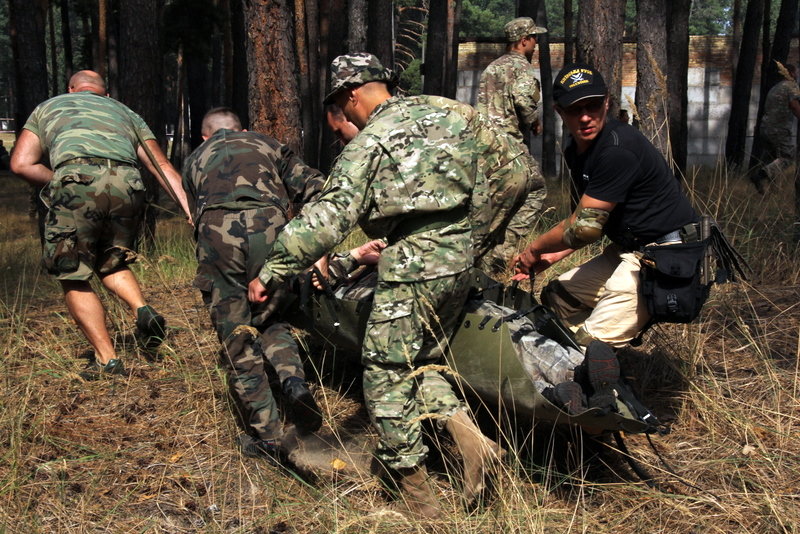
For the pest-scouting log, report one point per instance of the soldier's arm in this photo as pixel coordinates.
(583, 226)
(322, 225)
(26, 159)
(303, 183)
(526, 101)
(165, 173)
(794, 106)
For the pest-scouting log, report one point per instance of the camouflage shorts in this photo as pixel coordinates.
(92, 222)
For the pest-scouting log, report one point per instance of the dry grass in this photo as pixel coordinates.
(155, 452)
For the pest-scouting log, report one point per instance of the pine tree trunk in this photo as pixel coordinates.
(273, 87)
(537, 10)
(651, 80)
(380, 30)
(600, 29)
(240, 71)
(140, 85)
(677, 80)
(66, 38)
(569, 32)
(102, 36)
(54, 78)
(309, 109)
(742, 84)
(786, 25)
(27, 26)
(440, 59)
(757, 149)
(27, 29)
(357, 27)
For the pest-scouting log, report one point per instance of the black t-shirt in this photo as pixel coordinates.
(622, 166)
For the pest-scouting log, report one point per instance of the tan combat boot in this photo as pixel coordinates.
(417, 493)
(481, 455)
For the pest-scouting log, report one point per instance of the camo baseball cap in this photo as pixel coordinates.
(352, 70)
(577, 81)
(521, 27)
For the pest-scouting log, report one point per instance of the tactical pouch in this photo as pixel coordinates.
(671, 278)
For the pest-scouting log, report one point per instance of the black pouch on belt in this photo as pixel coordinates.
(672, 284)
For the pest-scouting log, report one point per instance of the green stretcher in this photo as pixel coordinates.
(482, 354)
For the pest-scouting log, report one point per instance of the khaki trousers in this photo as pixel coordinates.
(611, 306)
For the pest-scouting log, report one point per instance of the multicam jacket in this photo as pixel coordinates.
(777, 119)
(240, 170)
(412, 163)
(507, 173)
(85, 124)
(509, 94)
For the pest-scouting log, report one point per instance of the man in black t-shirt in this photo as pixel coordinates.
(624, 190)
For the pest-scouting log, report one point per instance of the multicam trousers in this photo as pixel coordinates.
(231, 248)
(92, 221)
(517, 232)
(407, 331)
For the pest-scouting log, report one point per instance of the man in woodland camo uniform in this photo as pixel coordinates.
(777, 134)
(95, 198)
(509, 95)
(243, 188)
(782, 103)
(407, 176)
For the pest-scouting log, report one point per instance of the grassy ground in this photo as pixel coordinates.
(155, 452)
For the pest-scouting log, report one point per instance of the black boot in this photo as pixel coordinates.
(303, 409)
(150, 328)
(602, 370)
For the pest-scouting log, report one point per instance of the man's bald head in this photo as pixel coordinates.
(87, 80)
(218, 119)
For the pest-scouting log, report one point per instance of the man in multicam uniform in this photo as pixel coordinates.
(243, 188)
(509, 95)
(783, 102)
(407, 176)
(95, 198)
(510, 171)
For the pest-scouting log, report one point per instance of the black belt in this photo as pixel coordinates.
(105, 162)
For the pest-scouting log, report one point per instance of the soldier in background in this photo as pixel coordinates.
(95, 199)
(509, 95)
(777, 135)
(243, 187)
(407, 176)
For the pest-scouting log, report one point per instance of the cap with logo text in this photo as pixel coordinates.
(578, 81)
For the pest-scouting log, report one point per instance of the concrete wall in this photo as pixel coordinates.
(709, 91)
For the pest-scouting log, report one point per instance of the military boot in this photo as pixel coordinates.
(303, 409)
(417, 493)
(150, 328)
(602, 369)
(481, 454)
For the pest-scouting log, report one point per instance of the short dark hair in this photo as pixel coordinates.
(219, 118)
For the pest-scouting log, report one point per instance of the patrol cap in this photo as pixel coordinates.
(352, 70)
(577, 81)
(521, 27)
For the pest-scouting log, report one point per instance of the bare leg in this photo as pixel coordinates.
(85, 307)
(124, 285)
